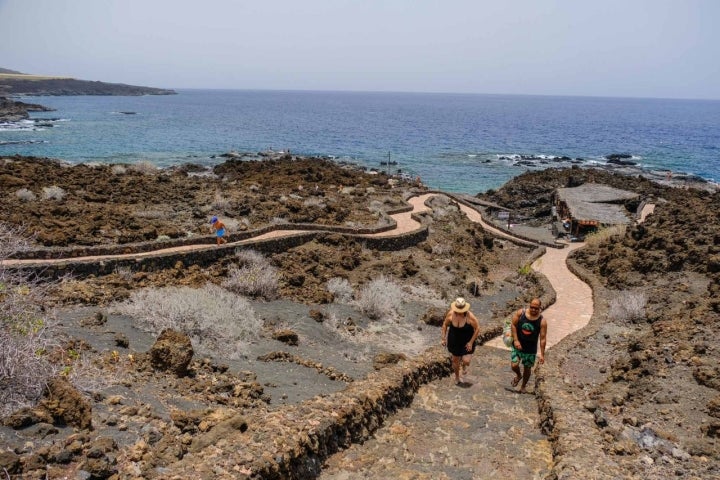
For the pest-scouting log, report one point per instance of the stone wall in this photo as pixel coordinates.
(276, 447)
(577, 442)
(208, 255)
(142, 247)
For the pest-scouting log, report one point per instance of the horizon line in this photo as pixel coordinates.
(301, 90)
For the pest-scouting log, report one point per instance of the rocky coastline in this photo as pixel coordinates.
(15, 111)
(623, 398)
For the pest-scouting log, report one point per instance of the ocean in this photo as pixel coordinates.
(464, 143)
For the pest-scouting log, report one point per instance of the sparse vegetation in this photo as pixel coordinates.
(53, 193)
(255, 276)
(628, 307)
(604, 234)
(220, 203)
(380, 298)
(26, 331)
(341, 290)
(118, 170)
(215, 319)
(25, 195)
(145, 166)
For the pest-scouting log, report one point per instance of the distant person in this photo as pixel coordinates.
(220, 231)
(459, 332)
(528, 328)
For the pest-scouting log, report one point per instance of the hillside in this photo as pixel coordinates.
(15, 83)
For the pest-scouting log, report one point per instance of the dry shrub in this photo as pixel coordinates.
(88, 377)
(27, 330)
(118, 170)
(628, 307)
(340, 289)
(217, 321)
(380, 298)
(220, 203)
(150, 213)
(145, 167)
(25, 195)
(442, 249)
(53, 193)
(314, 202)
(255, 276)
(603, 235)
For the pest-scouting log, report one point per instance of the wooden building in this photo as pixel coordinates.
(586, 208)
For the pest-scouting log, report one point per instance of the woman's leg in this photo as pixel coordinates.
(456, 368)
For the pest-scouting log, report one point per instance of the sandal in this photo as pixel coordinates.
(515, 381)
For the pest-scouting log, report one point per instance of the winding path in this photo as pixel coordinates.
(571, 311)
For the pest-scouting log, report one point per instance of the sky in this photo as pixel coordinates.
(616, 48)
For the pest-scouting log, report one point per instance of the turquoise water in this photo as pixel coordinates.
(454, 142)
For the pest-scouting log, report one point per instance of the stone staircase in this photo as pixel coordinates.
(484, 430)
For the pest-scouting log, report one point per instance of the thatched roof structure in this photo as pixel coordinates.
(593, 202)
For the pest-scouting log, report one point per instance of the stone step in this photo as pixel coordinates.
(451, 432)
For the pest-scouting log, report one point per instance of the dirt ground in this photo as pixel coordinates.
(653, 380)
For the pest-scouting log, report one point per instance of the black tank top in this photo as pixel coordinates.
(528, 332)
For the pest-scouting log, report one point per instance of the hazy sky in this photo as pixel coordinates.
(635, 48)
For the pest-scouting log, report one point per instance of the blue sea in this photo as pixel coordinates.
(465, 143)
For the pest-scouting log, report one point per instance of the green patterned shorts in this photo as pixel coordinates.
(527, 359)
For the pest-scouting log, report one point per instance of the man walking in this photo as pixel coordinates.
(528, 327)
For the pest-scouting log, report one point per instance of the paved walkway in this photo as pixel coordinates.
(571, 311)
(573, 305)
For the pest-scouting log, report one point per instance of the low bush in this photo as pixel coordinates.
(380, 298)
(601, 236)
(254, 276)
(145, 167)
(220, 203)
(340, 289)
(53, 193)
(217, 321)
(628, 307)
(27, 330)
(25, 195)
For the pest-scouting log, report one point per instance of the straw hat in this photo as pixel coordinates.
(460, 305)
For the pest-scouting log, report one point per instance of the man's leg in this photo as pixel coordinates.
(515, 366)
(528, 363)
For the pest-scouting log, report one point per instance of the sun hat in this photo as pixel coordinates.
(213, 220)
(460, 305)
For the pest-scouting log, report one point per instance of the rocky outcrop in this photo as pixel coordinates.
(13, 111)
(172, 352)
